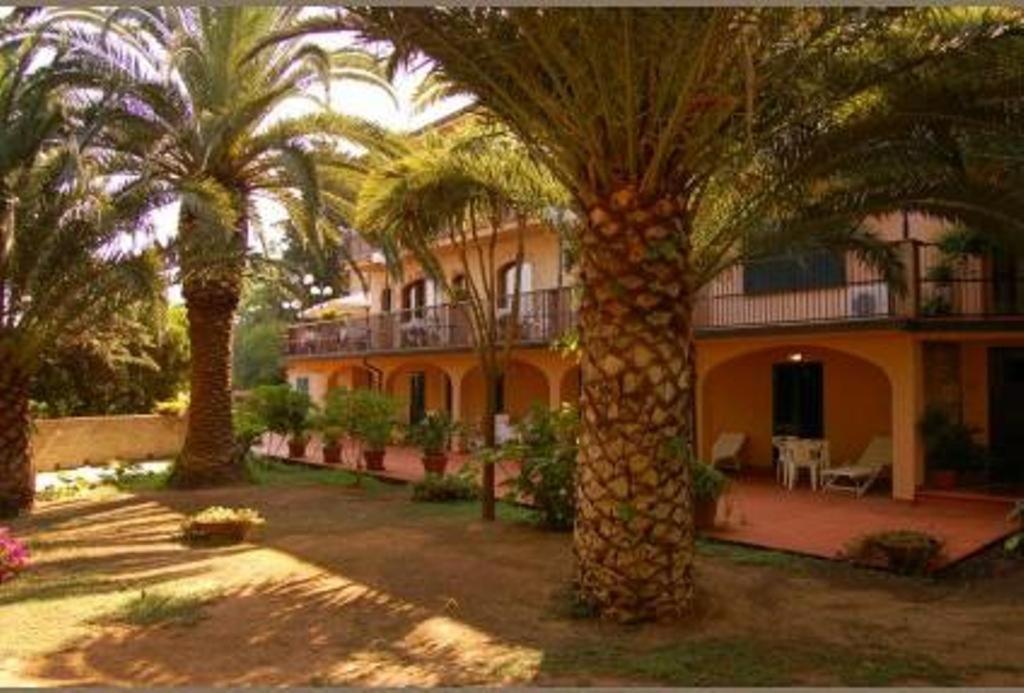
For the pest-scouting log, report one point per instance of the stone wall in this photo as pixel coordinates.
(74, 442)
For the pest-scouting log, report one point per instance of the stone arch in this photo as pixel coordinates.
(525, 385)
(437, 387)
(735, 394)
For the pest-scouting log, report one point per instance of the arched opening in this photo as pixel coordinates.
(421, 388)
(523, 386)
(808, 391)
(352, 377)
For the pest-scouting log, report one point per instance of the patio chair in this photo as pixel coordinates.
(859, 476)
(726, 451)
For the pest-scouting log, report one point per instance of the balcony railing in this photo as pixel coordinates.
(543, 317)
(851, 292)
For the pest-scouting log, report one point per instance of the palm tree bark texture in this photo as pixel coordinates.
(634, 539)
(210, 455)
(17, 476)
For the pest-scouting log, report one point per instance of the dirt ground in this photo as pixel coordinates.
(363, 587)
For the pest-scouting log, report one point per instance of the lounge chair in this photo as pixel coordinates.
(859, 476)
(726, 451)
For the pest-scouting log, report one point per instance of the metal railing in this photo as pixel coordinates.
(544, 316)
(841, 290)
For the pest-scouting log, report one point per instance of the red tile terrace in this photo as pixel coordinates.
(758, 512)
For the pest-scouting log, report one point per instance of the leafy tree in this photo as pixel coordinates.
(61, 275)
(639, 112)
(197, 120)
(138, 358)
(459, 189)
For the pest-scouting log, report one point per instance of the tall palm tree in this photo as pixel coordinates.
(61, 274)
(198, 119)
(462, 188)
(635, 110)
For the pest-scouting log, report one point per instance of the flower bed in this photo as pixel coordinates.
(218, 524)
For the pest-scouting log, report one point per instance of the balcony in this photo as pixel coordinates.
(971, 290)
(543, 317)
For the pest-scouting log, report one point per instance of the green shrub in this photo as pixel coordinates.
(275, 408)
(435, 488)
(177, 406)
(547, 449)
(708, 482)
(903, 551)
(366, 415)
(152, 608)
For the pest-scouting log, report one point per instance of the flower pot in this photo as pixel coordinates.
(374, 460)
(435, 462)
(332, 454)
(704, 513)
(942, 479)
(297, 448)
(225, 532)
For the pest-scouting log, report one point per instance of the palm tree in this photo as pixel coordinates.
(61, 276)
(461, 188)
(635, 111)
(198, 120)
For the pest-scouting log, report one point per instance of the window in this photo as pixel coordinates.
(507, 282)
(385, 300)
(414, 298)
(302, 384)
(817, 269)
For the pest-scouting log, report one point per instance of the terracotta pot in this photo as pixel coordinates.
(704, 513)
(435, 462)
(297, 448)
(374, 460)
(942, 479)
(332, 454)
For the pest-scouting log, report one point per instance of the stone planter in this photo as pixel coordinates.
(332, 454)
(220, 532)
(374, 460)
(297, 448)
(704, 513)
(435, 462)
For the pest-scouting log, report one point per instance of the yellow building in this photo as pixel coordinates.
(820, 348)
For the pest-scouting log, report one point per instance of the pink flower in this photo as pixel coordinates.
(14, 555)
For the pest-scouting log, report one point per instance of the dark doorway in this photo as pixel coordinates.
(798, 400)
(417, 396)
(1006, 413)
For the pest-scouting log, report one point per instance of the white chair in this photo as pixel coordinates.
(781, 469)
(859, 476)
(726, 450)
(800, 453)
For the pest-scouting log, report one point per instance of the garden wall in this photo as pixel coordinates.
(74, 442)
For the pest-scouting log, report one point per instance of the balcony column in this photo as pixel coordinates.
(907, 306)
(907, 382)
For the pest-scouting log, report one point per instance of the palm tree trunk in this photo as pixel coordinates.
(17, 477)
(488, 495)
(210, 455)
(634, 526)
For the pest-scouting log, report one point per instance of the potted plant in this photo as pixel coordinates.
(334, 423)
(375, 416)
(283, 411)
(950, 450)
(432, 435)
(708, 486)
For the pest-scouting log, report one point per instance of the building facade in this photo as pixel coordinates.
(818, 346)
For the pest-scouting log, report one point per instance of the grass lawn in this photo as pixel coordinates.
(360, 586)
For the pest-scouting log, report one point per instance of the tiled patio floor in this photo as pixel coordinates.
(759, 512)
